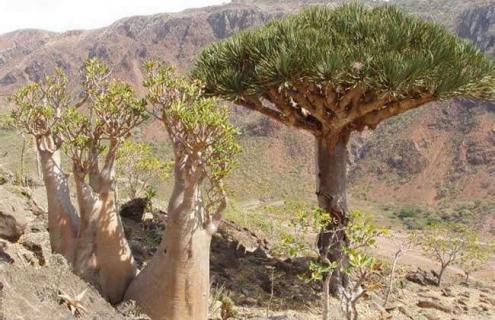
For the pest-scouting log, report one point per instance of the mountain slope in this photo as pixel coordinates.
(433, 155)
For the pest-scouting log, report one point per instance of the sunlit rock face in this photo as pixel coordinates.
(478, 25)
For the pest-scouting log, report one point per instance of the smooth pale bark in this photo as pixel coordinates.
(104, 255)
(332, 197)
(114, 258)
(63, 221)
(175, 284)
(39, 169)
(85, 263)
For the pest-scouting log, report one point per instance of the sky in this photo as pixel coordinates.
(63, 15)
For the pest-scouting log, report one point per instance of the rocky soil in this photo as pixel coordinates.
(34, 282)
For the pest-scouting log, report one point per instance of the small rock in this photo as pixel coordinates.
(421, 277)
(248, 301)
(431, 316)
(462, 301)
(447, 292)
(260, 253)
(13, 215)
(405, 312)
(433, 305)
(488, 300)
(4, 256)
(38, 244)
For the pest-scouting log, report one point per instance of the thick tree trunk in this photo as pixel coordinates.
(103, 253)
(63, 221)
(332, 197)
(114, 258)
(85, 263)
(175, 285)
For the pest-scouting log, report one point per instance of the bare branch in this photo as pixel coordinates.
(372, 119)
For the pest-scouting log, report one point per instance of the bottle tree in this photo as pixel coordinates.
(93, 135)
(90, 131)
(335, 71)
(174, 285)
(38, 109)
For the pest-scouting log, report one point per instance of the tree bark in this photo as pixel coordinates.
(85, 263)
(63, 221)
(114, 258)
(326, 299)
(440, 275)
(175, 284)
(103, 256)
(332, 197)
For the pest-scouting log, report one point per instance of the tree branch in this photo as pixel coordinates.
(372, 119)
(253, 103)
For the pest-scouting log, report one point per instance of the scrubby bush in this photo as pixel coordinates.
(446, 243)
(475, 256)
(357, 265)
(140, 169)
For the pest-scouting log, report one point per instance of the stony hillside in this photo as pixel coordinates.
(38, 284)
(429, 156)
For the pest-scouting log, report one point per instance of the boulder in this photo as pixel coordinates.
(14, 214)
(135, 209)
(421, 277)
(434, 305)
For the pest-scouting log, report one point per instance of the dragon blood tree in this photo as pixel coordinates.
(175, 284)
(334, 71)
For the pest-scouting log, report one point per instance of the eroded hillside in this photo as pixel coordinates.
(430, 156)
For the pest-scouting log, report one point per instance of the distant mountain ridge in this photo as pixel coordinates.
(443, 152)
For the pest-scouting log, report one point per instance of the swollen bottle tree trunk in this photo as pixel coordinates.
(332, 197)
(85, 263)
(175, 284)
(63, 221)
(114, 258)
(103, 256)
(97, 247)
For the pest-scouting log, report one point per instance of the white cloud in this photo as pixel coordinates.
(62, 15)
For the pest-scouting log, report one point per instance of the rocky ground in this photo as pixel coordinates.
(37, 284)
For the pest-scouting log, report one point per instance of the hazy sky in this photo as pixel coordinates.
(62, 15)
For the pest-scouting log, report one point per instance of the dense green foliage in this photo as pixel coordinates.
(39, 105)
(449, 243)
(113, 111)
(381, 48)
(198, 127)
